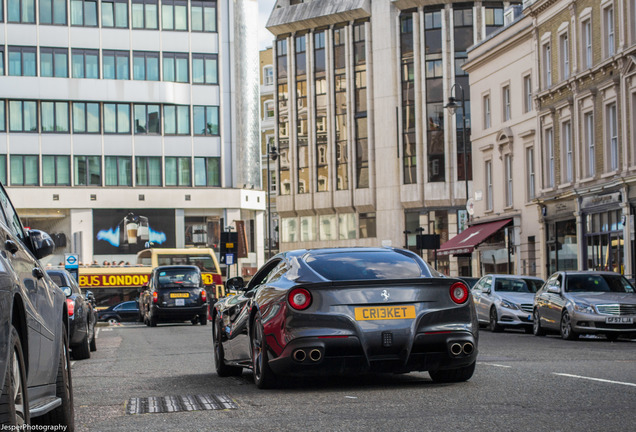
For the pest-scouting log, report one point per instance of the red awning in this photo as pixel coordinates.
(466, 241)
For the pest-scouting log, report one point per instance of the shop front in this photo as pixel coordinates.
(562, 246)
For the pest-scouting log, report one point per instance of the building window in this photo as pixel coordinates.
(494, 19)
(206, 120)
(341, 111)
(148, 170)
(3, 122)
(22, 61)
(608, 22)
(175, 67)
(268, 108)
(23, 116)
(1, 60)
(347, 226)
(54, 117)
(118, 170)
(174, 15)
(587, 43)
(56, 170)
(207, 171)
(487, 123)
(367, 225)
(84, 13)
(509, 174)
(549, 155)
(116, 118)
(88, 170)
(568, 152)
(85, 63)
(144, 14)
(409, 145)
(268, 75)
(53, 12)
(564, 47)
(115, 13)
(178, 171)
(488, 178)
(530, 172)
(145, 66)
(176, 120)
(54, 62)
(506, 103)
(527, 94)
(203, 16)
(612, 136)
(24, 170)
(588, 124)
(147, 119)
(547, 65)
(3, 169)
(86, 117)
(116, 65)
(204, 69)
(21, 11)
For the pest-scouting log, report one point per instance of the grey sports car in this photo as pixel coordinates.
(345, 311)
(575, 303)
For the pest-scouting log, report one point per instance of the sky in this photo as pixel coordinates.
(265, 38)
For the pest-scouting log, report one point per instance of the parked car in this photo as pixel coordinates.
(33, 330)
(345, 311)
(82, 315)
(175, 293)
(575, 303)
(505, 301)
(122, 312)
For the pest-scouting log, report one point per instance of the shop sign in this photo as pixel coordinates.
(600, 200)
(113, 280)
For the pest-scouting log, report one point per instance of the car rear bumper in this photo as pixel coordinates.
(179, 313)
(315, 356)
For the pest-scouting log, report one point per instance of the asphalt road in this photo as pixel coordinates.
(522, 383)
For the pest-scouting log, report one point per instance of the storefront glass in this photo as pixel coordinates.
(604, 239)
(562, 246)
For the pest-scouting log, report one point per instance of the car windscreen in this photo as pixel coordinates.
(598, 283)
(517, 285)
(178, 278)
(340, 266)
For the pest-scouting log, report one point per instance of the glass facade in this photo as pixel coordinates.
(433, 42)
(409, 149)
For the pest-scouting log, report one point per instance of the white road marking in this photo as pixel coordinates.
(108, 329)
(97, 333)
(494, 364)
(595, 379)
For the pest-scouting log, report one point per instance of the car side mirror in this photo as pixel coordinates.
(555, 289)
(42, 243)
(236, 283)
(67, 291)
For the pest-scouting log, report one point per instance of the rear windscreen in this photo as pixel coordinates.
(58, 280)
(178, 277)
(364, 266)
(204, 262)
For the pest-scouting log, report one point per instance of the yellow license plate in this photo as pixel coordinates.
(384, 313)
(179, 295)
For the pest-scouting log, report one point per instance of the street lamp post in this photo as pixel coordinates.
(272, 153)
(452, 106)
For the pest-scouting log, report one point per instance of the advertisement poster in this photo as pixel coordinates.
(121, 231)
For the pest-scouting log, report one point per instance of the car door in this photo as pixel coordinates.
(128, 311)
(485, 299)
(552, 302)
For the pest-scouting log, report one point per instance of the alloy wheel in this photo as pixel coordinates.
(18, 390)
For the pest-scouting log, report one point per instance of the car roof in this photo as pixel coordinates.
(177, 267)
(513, 276)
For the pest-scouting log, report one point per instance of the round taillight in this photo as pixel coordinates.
(459, 292)
(299, 298)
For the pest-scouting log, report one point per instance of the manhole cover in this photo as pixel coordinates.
(164, 404)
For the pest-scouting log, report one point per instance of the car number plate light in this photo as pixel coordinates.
(384, 312)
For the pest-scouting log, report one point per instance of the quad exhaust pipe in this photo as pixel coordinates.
(458, 348)
(468, 348)
(315, 355)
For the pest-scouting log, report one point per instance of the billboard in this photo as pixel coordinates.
(125, 231)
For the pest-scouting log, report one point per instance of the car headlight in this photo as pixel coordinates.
(584, 307)
(508, 305)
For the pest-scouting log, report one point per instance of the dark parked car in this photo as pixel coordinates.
(345, 311)
(123, 312)
(175, 293)
(82, 316)
(575, 303)
(33, 321)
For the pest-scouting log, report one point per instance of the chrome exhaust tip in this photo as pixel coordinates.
(299, 355)
(456, 349)
(315, 355)
(468, 348)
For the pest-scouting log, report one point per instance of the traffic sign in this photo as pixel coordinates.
(71, 261)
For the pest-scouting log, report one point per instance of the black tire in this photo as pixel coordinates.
(152, 319)
(15, 410)
(113, 320)
(93, 344)
(222, 369)
(453, 375)
(566, 327)
(194, 321)
(492, 324)
(203, 319)
(64, 414)
(537, 330)
(264, 377)
(83, 350)
(527, 330)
